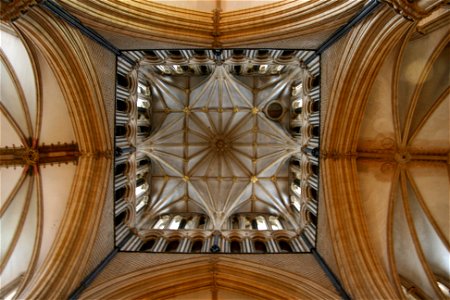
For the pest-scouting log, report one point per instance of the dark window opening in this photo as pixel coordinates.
(120, 218)
(182, 224)
(197, 246)
(235, 223)
(140, 181)
(148, 245)
(235, 246)
(313, 193)
(284, 246)
(312, 217)
(254, 224)
(201, 223)
(122, 80)
(315, 169)
(316, 131)
(260, 247)
(172, 246)
(120, 193)
(121, 130)
(122, 106)
(315, 106)
(120, 169)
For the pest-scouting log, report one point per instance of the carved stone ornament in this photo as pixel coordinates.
(12, 9)
(411, 9)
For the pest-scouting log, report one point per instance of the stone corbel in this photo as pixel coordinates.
(414, 10)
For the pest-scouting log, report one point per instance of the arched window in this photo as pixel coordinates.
(275, 223)
(143, 201)
(247, 223)
(190, 224)
(172, 246)
(297, 105)
(145, 130)
(297, 129)
(315, 131)
(143, 162)
(315, 106)
(285, 247)
(122, 80)
(175, 224)
(261, 223)
(121, 130)
(148, 245)
(143, 103)
(313, 193)
(120, 218)
(295, 201)
(235, 246)
(201, 223)
(316, 81)
(260, 246)
(296, 188)
(312, 217)
(143, 90)
(162, 222)
(315, 169)
(235, 222)
(287, 53)
(254, 224)
(122, 106)
(197, 246)
(182, 224)
(120, 193)
(120, 169)
(142, 188)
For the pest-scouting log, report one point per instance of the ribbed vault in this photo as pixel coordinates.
(216, 152)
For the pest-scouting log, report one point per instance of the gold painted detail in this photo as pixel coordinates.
(216, 28)
(410, 10)
(403, 156)
(41, 155)
(30, 156)
(13, 10)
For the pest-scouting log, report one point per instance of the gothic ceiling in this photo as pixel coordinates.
(403, 166)
(31, 152)
(216, 150)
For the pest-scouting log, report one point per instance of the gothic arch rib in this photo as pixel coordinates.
(364, 50)
(64, 50)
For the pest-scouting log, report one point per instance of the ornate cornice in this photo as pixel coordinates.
(12, 9)
(414, 10)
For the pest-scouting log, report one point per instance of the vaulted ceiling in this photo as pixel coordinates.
(216, 150)
(385, 161)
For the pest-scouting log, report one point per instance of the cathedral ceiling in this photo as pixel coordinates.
(403, 166)
(216, 150)
(404, 125)
(35, 174)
